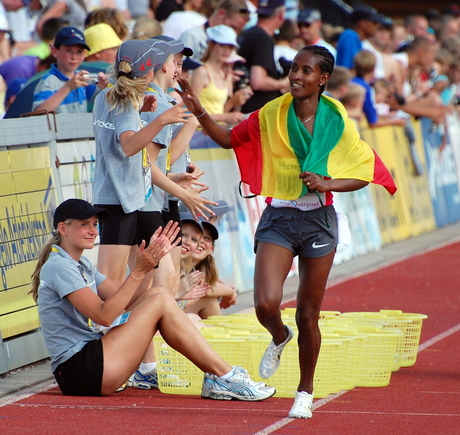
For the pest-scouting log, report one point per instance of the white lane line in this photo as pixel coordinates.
(439, 337)
(285, 421)
(430, 414)
(36, 389)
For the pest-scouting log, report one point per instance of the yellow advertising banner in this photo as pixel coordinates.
(27, 198)
(409, 212)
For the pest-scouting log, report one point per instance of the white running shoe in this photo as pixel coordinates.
(239, 386)
(303, 403)
(271, 359)
(144, 381)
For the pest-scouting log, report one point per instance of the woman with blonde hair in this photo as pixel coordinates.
(213, 82)
(220, 294)
(111, 16)
(123, 180)
(97, 331)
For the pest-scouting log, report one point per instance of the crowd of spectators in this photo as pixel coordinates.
(417, 56)
(387, 70)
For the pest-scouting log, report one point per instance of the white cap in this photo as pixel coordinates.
(222, 34)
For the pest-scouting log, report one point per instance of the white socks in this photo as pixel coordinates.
(227, 375)
(148, 367)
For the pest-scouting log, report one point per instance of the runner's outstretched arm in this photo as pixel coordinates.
(215, 131)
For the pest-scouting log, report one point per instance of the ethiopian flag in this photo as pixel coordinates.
(272, 148)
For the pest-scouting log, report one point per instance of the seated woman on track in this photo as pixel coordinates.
(74, 299)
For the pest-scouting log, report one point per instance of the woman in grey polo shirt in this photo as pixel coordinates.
(74, 300)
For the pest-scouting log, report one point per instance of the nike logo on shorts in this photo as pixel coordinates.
(319, 246)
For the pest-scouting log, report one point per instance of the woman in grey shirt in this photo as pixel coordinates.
(74, 300)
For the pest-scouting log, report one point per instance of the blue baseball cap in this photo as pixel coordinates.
(365, 13)
(308, 16)
(70, 36)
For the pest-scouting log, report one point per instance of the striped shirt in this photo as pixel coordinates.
(75, 102)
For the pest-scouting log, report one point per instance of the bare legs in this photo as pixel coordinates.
(272, 266)
(313, 273)
(112, 261)
(125, 346)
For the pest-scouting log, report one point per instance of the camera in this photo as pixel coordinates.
(92, 78)
(243, 80)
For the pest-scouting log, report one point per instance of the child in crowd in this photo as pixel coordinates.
(47, 34)
(104, 43)
(12, 91)
(337, 86)
(364, 66)
(287, 43)
(440, 81)
(353, 101)
(146, 28)
(113, 17)
(65, 89)
(383, 92)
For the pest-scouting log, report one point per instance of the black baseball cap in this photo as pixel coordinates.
(365, 13)
(77, 209)
(187, 217)
(210, 227)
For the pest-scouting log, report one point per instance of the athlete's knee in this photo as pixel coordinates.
(156, 295)
(307, 317)
(266, 307)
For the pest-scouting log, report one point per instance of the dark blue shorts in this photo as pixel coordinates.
(309, 234)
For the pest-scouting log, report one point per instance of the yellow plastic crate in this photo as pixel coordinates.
(412, 334)
(377, 356)
(286, 378)
(409, 323)
(178, 375)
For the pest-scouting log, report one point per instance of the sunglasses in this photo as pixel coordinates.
(243, 11)
(303, 24)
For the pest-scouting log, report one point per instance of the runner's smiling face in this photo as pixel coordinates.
(305, 75)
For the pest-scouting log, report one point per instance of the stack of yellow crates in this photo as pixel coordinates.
(358, 349)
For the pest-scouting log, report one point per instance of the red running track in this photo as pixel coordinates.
(422, 399)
